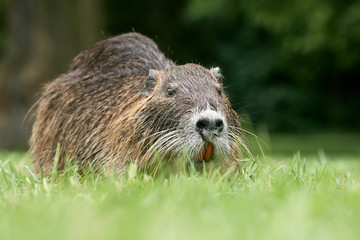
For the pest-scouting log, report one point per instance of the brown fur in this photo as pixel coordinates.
(106, 110)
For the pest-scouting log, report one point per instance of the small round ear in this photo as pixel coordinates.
(216, 73)
(151, 80)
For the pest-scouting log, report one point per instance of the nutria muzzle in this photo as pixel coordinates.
(210, 126)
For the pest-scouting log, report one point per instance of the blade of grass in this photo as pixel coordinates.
(32, 175)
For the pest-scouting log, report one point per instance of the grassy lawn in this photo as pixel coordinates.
(284, 194)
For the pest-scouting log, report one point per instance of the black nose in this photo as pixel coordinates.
(206, 124)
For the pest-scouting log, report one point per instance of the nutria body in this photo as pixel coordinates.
(123, 101)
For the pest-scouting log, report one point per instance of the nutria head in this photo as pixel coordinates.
(186, 115)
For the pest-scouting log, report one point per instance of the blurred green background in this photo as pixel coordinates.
(289, 66)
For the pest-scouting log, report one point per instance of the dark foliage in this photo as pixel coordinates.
(291, 65)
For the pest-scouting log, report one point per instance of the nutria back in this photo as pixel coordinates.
(123, 101)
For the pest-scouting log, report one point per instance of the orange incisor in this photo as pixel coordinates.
(206, 152)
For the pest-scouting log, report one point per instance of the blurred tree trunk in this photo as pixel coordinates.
(41, 39)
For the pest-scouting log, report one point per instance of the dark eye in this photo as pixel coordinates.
(170, 91)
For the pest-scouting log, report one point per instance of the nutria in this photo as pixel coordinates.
(123, 101)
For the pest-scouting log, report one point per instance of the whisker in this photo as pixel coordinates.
(239, 140)
(156, 134)
(160, 145)
(252, 134)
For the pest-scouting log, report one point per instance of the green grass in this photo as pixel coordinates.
(281, 196)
